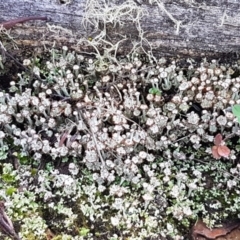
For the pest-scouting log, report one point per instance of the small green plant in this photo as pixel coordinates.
(84, 231)
(155, 91)
(236, 111)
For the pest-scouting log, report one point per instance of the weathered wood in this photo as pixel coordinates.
(208, 27)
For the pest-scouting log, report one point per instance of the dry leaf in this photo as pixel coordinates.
(49, 234)
(201, 229)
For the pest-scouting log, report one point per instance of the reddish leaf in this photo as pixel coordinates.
(223, 151)
(218, 139)
(215, 152)
(63, 138)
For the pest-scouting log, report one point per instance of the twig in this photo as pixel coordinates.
(6, 224)
(20, 64)
(93, 136)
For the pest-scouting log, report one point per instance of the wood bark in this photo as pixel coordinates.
(208, 28)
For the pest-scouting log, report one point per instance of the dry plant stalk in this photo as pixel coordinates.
(6, 224)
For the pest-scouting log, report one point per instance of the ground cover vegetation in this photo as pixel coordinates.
(118, 147)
